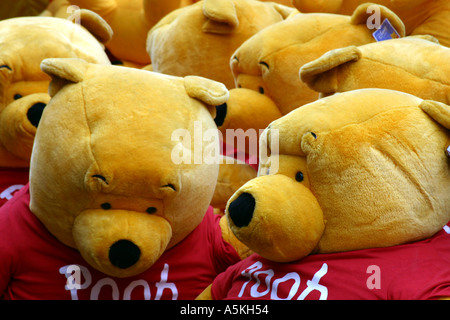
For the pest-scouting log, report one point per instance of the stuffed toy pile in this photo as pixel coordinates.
(420, 16)
(268, 63)
(123, 175)
(414, 64)
(360, 184)
(199, 39)
(129, 19)
(24, 43)
(109, 204)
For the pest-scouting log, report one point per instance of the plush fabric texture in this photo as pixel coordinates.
(199, 39)
(268, 62)
(421, 17)
(413, 65)
(130, 21)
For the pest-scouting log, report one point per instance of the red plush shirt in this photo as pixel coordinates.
(11, 180)
(35, 265)
(419, 270)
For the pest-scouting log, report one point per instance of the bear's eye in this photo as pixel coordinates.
(17, 96)
(261, 90)
(151, 210)
(299, 176)
(264, 64)
(106, 206)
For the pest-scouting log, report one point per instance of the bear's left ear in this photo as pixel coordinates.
(440, 113)
(94, 23)
(366, 12)
(63, 71)
(221, 16)
(214, 94)
(321, 74)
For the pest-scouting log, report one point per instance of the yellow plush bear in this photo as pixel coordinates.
(24, 43)
(421, 17)
(265, 67)
(413, 65)
(357, 185)
(129, 19)
(199, 39)
(123, 171)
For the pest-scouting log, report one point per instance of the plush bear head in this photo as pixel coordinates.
(360, 169)
(413, 65)
(107, 175)
(269, 61)
(24, 43)
(199, 39)
(129, 19)
(419, 16)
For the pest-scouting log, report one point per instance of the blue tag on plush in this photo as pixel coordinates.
(385, 32)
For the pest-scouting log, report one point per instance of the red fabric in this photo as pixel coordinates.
(232, 152)
(12, 180)
(419, 270)
(35, 265)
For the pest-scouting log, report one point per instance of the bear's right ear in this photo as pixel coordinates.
(321, 74)
(368, 11)
(93, 23)
(63, 71)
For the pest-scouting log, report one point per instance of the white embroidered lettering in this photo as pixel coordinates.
(290, 276)
(163, 284)
(248, 274)
(105, 282)
(133, 285)
(8, 193)
(79, 278)
(314, 284)
(263, 283)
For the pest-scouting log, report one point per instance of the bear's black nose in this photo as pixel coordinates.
(124, 253)
(34, 114)
(241, 210)
(221, 114)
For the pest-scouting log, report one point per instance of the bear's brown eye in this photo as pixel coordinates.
(151, 210)
(299, 176)
(105, 206)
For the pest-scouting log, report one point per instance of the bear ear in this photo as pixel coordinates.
(438, 111)
(63, 71)
(94, 23)
(214, 94)
(370, 12)
(321, 74)
(221, 16)
(285, 11)
(210, 92)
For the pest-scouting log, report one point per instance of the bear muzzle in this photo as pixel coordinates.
(276, 217)
(120, 243)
